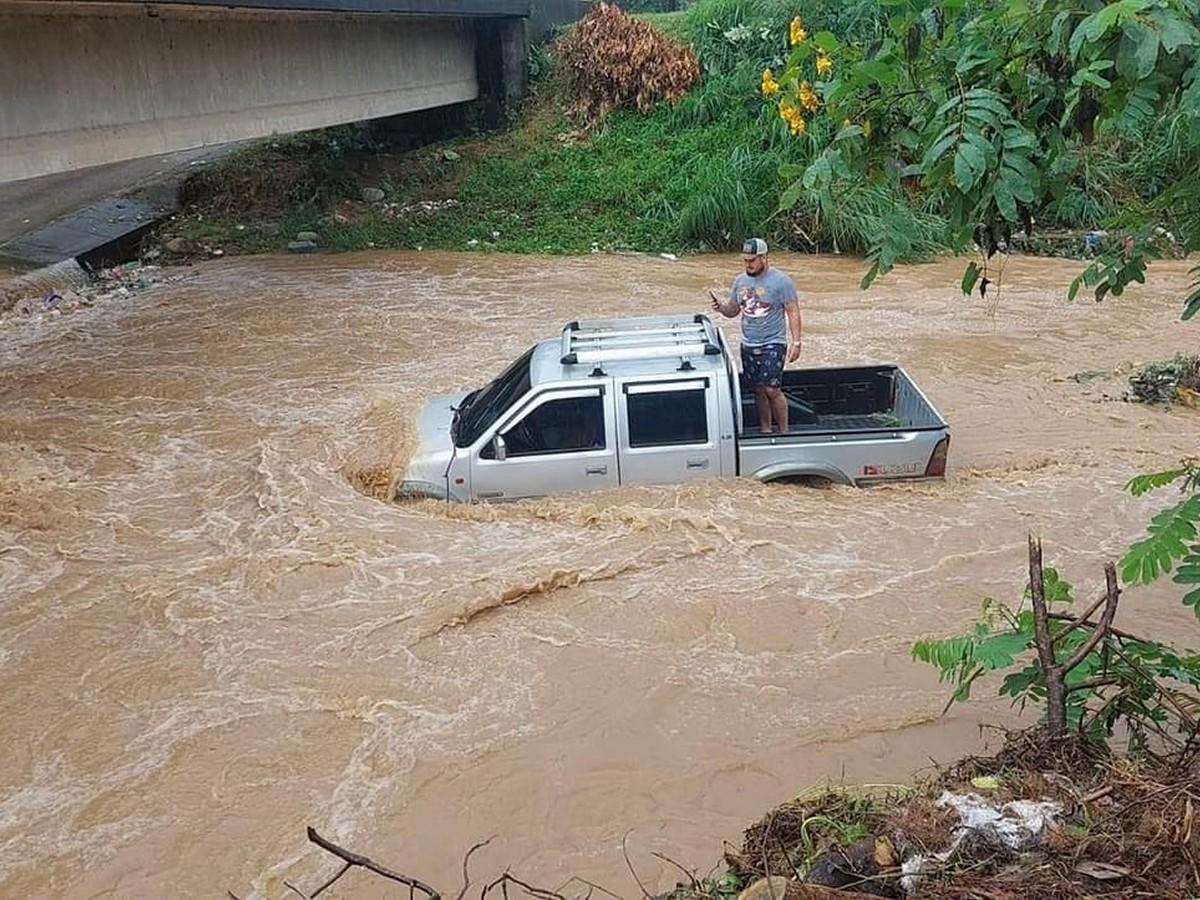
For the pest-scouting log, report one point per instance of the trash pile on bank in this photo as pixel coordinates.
(40, 297)
(1041, 819)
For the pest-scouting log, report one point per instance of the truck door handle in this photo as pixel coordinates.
(597, 470)
(697, 463)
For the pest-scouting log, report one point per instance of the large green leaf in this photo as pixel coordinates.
(1189, 568)
(1092, 77)
(969, 165)
(1024, 168)
(1152, 481)
(1189, 101)
(1028, 680)
(975, 56)
(1138, 51)
(1058, 32)
(1019, 139)
(970, 277)
(1139, 108)
(1192, 303)
(874, 72)
(1173, 30)
(1003, 193)
(987, 106)
(816, 176)
(1171, 534)
(1017, 183)
(791, 195)
(827, 41)
(1192, 599)
(938, 150)
(1056, 588)
(1098, 24)
(1001, 650)
(946, 655)
(983, 145)
(1191, 306)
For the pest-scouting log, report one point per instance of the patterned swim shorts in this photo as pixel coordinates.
(763, 366)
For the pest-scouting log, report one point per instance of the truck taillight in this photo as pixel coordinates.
(937, 460)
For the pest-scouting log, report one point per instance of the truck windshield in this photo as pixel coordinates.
(482, 408)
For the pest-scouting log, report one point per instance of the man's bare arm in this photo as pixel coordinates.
(792, 310)
(727, 308)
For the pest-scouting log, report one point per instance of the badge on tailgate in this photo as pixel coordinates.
(884, 469)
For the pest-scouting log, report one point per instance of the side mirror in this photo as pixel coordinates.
(500, 448)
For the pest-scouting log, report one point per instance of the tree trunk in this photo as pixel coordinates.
(1056, 691)
(1056, 705)
(1055, 672)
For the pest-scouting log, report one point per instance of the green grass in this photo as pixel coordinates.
(672, 24)
(1132, 177)
(701, 175)
(622, 188)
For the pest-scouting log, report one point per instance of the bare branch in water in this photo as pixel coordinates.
(632, 871)
(691, 876)
(355, 859)
(467, 864)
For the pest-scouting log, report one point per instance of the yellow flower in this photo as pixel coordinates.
(770, 87)
(798, 34)
(794, 117)
(808, 97)
(867, 129)
(824, 64)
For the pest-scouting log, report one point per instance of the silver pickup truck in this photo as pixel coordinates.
(656, 400)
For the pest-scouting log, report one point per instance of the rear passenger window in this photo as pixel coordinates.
(667, 417)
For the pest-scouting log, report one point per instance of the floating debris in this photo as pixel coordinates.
(1173, 381)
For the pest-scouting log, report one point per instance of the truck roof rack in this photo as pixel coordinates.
(649, 337)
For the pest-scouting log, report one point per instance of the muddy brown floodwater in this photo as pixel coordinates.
(211, 636)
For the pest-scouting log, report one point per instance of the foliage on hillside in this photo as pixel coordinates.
(988, 113)
(703, 172)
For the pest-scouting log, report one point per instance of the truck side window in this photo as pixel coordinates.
(667, 418)
(558, 426)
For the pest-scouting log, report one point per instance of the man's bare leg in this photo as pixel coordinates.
(763, 402)
(779, 408)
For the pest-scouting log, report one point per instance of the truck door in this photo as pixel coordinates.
(667, 431)
(553, 442)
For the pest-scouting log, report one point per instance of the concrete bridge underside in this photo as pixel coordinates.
(84, 83)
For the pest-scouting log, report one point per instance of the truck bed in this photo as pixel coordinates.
(846, 400)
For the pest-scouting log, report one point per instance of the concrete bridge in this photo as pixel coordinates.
(85, 82)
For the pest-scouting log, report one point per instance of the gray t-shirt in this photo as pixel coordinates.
(761, 300)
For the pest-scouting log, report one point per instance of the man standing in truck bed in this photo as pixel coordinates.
(770, 310)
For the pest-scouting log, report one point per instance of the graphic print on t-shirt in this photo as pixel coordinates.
(750, 299)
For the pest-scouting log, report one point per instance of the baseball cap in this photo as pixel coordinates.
(754, 247)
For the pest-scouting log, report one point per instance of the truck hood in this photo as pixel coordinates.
(426, 473)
